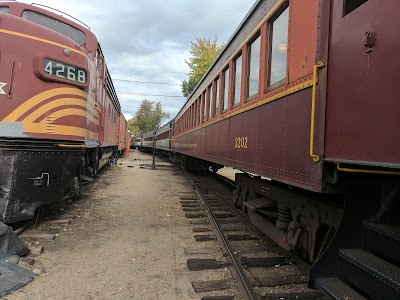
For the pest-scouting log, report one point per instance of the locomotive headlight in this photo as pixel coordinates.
(56, 70)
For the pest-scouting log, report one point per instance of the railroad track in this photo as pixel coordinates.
(49, 222)
(260, 270)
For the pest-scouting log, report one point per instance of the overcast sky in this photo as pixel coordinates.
(149, 40)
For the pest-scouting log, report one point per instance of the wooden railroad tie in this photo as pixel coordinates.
(235, 228)
(195, 215)
(241, 237)
(199, 264)
(204, 238)
(215, 204)
(189, 198)
(228, 221)
(193, 209)
(193, 204)
(220, 209)
(212, 285)
(224, 215)
(279, 281)
(190, 203)
(264, 262)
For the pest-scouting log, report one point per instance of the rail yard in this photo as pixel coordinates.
(278, 177)
(115, 250)
(162, 247)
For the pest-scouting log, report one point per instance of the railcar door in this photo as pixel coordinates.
(363, 70)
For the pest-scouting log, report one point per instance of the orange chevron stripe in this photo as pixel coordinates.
(46, 128)
(68, 112)
(39, 98)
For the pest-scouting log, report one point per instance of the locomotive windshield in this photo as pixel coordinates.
(56, 25)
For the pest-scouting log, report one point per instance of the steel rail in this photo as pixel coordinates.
(303, 266)
(243, 283)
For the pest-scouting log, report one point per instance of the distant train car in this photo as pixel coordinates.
(147, 141)
(124, 136)
(163, 138)
(59, 111)
(305, 94)
(136, 141)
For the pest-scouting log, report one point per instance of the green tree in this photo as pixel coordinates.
(204, 52)
(132, 127)
(148, 117)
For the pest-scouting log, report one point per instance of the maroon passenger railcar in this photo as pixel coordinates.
(305, 94)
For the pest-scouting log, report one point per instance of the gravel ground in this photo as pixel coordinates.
(127, 243)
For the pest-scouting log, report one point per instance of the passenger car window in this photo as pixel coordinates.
(4, 9)
(209, 101)
(226, 90)
(205, 106)
(216, 100)
(278, 49)
(56, 25)
(238, 79)
(254, 67)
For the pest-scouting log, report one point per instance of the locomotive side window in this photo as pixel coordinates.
(4, 9)
(253, 66)
(350, 5)
(56, 25)
(226, 90)
(278, 49)
(216, 94)
(237, 83)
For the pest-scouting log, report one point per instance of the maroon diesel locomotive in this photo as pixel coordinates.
(303, 96)
(59, 113)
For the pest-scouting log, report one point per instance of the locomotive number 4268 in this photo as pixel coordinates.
(62, 70)
(241, 142)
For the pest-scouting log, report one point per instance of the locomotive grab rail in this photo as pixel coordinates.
(49, 7)
(318, 66)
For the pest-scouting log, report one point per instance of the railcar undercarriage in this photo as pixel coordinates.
(38, 172)
(352, 239)
(295, 220)
(34, 173)
(195, 164)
